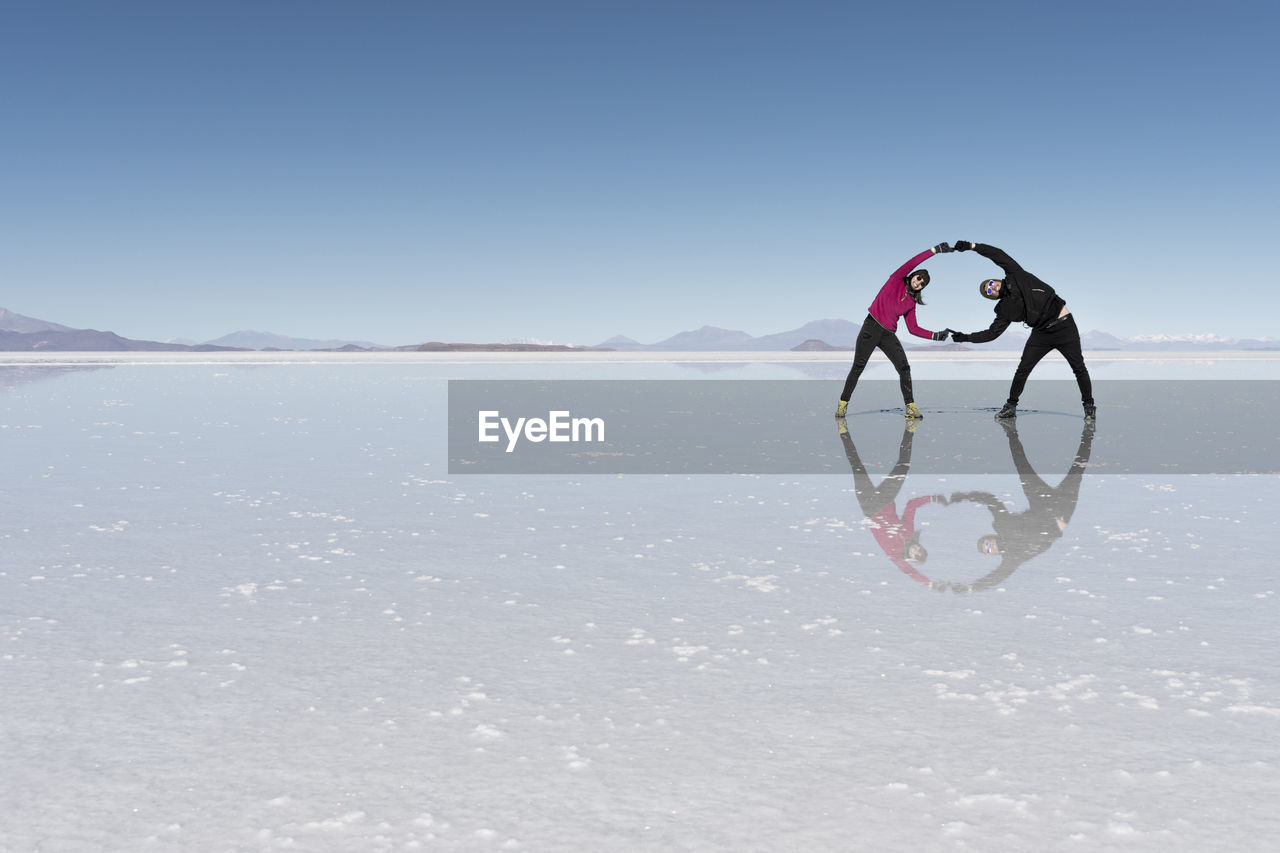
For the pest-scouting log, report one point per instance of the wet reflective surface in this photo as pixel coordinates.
(1015, 537)
(246, 608)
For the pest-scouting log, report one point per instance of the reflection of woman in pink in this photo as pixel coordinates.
(895, 534)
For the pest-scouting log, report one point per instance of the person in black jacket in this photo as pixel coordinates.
(1023, 298)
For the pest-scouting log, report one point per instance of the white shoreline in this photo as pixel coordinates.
(44, 359)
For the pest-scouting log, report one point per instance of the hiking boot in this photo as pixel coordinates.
(913, 412)
(1010, 410)
(841, 408)
(1090, 412)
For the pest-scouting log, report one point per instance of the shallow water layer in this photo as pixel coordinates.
(246, 608)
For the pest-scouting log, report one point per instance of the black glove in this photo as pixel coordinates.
(942, 247)
(963, 246)
(959, 337)
(941, 336)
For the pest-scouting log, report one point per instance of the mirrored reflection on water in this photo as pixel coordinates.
(175, 447)
(15, 376)
(1015, 536)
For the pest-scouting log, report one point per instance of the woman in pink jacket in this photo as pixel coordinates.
(898, 298)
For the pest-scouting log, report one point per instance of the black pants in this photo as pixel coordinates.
(873, 498)
(1064, 336)
(871, 336)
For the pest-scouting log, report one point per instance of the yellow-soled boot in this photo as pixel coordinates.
(841, 408)
(913, 412)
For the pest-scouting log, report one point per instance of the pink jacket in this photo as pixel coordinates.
(894, 533)
(893, 302)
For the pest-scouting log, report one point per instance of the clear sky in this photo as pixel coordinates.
(486, 170)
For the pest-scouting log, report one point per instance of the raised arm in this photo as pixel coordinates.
(900, 273)
(997, 256)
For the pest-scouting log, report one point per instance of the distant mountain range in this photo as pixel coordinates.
(19, 333)
(842, 334)
(249, 339)
(26, 334)
(815, 335)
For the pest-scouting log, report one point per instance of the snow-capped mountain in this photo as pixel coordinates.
(838, 334)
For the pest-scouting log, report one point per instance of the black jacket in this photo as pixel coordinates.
(1023, 297)
(1024, 535)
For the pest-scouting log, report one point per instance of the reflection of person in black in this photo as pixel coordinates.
(1020, 536)
(896, 535)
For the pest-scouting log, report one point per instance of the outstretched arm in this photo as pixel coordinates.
(909, 514)
(995, 330)
(986, 499)
(920, 331)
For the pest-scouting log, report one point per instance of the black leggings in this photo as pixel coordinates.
(874, 335)
(1064, 336)
(871, 497)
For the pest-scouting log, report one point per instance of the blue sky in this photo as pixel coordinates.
(568, 171)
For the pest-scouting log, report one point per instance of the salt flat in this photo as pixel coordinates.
(244, 607)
